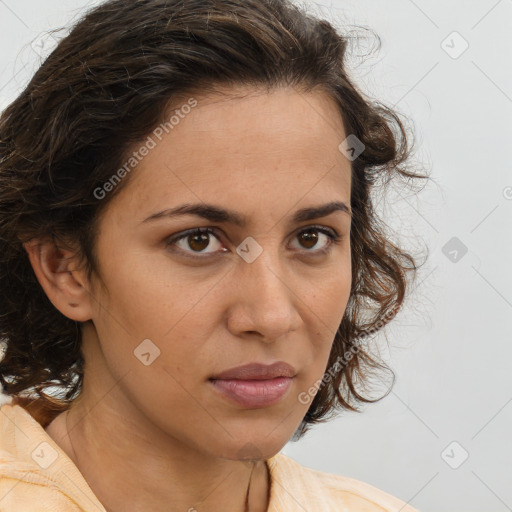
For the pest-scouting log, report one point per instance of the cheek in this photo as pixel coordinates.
(149, 295)
(168, 306)
(327, 309)
(150, 331)
(331, 295)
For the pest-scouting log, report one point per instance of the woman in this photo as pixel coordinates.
(190, 260)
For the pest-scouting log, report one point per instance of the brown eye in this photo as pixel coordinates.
(198, 242)
(309, 238)
(195, 241)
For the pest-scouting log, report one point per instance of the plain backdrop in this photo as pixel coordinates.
(441, 439)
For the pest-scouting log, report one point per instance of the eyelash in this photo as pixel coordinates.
(331, 233)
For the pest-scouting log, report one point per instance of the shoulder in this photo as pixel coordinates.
(34, 470)
(290, 481)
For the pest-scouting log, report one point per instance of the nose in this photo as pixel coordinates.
(264, 301)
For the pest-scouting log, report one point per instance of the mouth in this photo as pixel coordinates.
(253, 393)
(257, 371)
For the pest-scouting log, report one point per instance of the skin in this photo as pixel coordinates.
(158, 437)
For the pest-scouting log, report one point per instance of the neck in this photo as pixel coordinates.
(120, 468)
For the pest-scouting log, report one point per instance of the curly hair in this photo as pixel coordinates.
(104, 87)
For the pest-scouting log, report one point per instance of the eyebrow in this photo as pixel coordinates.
(221, 215)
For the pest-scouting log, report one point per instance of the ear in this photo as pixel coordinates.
(65, 285)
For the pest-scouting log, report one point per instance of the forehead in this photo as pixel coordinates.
(249, 147)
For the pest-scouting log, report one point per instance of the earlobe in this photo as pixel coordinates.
(64, 284)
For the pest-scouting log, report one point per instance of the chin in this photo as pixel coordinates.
(252, 451)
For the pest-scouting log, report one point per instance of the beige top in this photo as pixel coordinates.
(37, 475)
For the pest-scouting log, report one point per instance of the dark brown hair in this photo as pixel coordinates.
(105, 87)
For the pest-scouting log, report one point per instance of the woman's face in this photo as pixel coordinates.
(177, 312)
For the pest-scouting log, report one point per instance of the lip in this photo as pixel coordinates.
(255, 385)
(254, 393)
(257, 371)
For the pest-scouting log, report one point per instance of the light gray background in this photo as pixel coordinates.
(451, 347)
